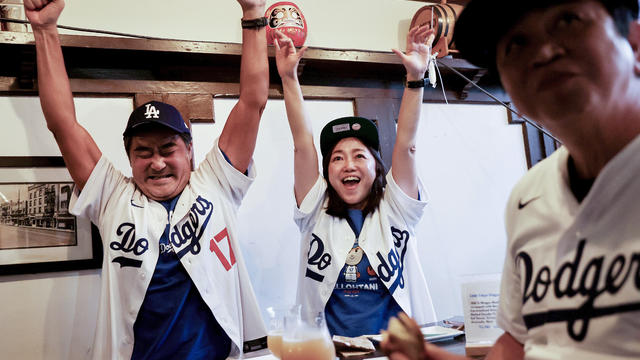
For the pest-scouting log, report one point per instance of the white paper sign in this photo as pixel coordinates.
(480, 301)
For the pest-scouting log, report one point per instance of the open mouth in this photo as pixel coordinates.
(351, 181)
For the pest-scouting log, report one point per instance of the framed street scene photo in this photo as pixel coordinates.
(37, 231)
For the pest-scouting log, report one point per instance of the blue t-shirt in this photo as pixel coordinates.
(360, 303)
(174, 322)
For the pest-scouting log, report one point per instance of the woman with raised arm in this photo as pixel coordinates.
(360, 263)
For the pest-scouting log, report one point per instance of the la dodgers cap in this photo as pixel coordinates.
(351, 126)
(156, 113)
(482, 24)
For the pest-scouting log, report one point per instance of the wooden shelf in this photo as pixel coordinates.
(90, 59)
(212, 48)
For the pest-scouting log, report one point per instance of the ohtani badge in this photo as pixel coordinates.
(340, 128)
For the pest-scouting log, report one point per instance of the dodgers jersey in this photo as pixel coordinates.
(202, 233)
(387, 238)
(571, 281)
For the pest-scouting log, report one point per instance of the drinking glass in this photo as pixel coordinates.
(306, 338)
(275, 328)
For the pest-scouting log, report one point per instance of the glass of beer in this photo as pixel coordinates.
(306, 339)
(275, 328)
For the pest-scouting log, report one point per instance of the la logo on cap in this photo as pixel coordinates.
(151, 112)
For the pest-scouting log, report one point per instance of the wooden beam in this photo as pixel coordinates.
(194, 108)
(384, 112)
(476, 78)
(214, 48)
(9, 86)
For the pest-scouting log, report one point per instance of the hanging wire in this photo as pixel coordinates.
(500, 102)
(73, 28)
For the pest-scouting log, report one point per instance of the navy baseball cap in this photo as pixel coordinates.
(482, 24)
(351, 126)
(156, 113)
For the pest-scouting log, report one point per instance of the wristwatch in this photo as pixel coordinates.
(415, 84)
(254, 23)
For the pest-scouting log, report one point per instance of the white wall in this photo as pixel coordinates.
(354, 24)
(48, 316)
(53, 315)
(470, 159)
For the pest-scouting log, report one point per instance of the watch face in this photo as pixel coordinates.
(287, 18)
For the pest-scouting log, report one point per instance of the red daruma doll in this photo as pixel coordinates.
(287, 18)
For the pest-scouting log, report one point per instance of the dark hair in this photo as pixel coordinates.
(480, 50)
(129, 138)
(336, 206)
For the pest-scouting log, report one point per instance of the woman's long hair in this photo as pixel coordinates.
(336, 206)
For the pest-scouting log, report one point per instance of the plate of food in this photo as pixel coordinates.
(439, 333)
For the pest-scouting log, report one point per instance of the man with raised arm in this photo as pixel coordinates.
(571, 279)
(174, 285)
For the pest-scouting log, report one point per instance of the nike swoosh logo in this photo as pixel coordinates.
(134, 205)
(521, 204)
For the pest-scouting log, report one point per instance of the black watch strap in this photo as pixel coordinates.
(254, 23)
(415, 84)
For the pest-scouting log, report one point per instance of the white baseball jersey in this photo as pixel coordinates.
(571, 279)
(387, 238)
(202, 234)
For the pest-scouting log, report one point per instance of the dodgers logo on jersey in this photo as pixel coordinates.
(151, 112)
(188, 232)
(316, 257)
(393, 264)
(570, 280)
(128, 244)
(191, 230)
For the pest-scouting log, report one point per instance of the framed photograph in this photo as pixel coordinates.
(37, 232)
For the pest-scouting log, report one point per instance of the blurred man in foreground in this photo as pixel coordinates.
(571, 278)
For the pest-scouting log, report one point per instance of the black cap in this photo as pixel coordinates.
(156, 113)
(351, 126)
(482, 24)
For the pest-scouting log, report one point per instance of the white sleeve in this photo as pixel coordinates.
(408, 208)
(216, 171)
(311, 205)
(100, 186)
(509, 316)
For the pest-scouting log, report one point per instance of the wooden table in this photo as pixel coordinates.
(455, 346)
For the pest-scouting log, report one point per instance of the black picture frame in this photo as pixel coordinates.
(82, 250)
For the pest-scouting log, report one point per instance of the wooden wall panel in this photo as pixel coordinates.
(193, 107)
(384, 112)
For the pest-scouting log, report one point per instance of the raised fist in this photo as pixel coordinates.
(43, 13)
